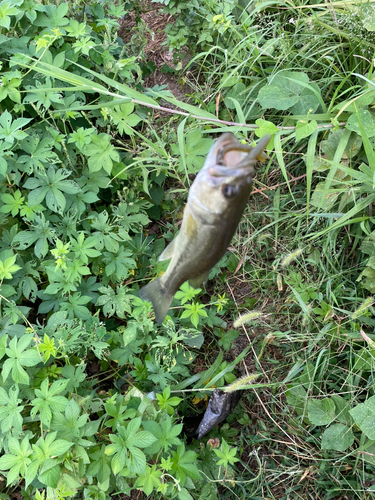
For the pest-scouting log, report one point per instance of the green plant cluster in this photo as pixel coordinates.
(76, 198)
(93, 393)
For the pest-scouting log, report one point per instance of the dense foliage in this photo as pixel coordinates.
(94, 175)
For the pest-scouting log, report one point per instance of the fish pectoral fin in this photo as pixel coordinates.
(169, 250)
(160, 298)
(200, 280)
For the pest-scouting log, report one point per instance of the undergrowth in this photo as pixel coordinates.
(97, 401)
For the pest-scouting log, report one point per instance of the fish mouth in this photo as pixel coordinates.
(246, 165)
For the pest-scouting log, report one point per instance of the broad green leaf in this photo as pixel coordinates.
(337, 437)
(321, 411)
(364, 416)
(266, 127)
(285, 89)
(367, 13)
(276, 97)
(367, 120)
(342, 410)
(304, 129)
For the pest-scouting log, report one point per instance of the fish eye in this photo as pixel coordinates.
(229, 191)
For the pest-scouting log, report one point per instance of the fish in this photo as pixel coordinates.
(216, 201)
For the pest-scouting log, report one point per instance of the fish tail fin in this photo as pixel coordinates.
(161, 300)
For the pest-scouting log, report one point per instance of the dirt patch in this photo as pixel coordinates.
(146, 33)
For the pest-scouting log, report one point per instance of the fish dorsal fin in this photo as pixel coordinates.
(169, 250)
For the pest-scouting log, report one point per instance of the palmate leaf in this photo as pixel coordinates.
(12, 203)
(124, 118)
(70, 423)
(18, 357)
(17, 460)
(7, 10)
(149, 481)
(125, 447)
(183, 464)
(100, 465)
(195, 149)
(43, 452)
(43, 95)
(115, 302)
(9, 89)
(119, 265)
(76, 306)
(39, 153)
(101, 153)
(10, 131)
(50, 186)
(7, 265)
(84, 248)
(165, 432)
(47, 400)
(53, 17)
(10, 411)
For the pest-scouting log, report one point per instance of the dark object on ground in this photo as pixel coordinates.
(220, 405)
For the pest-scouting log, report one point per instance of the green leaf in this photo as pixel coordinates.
(8, 267)
(165, 432)
(53, 17)
(12, 203)
(7, 10)
(20, 356)
(276, 97)
(321, 411)
(17, 460)
(195, 149)
(367, 120)
(342, 410)
(115, 302)
(266, 127)
(124, 118)
(9, 131)
(39, 154)
(10, 411)
(193, 312)
(364, 416)
(290, 89)
(3, 344)
(101, 153)
(187, 293)
(337, 437)
(367, 14)
(309, 100)
(48, 401)
(183, 464)
(227, 455)
(304, 129)
(149, 481)
(50, 186)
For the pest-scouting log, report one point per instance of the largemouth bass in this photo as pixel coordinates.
(216, 201)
